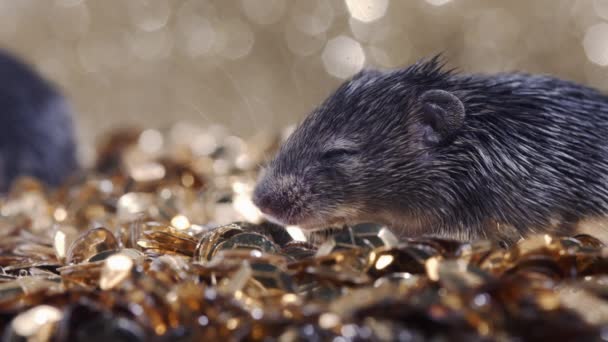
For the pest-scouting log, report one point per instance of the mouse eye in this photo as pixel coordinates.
(338, 153)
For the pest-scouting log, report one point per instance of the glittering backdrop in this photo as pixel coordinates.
(261, 64)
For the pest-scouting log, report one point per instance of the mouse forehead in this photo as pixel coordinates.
(310, 139)
(358, 106)
(330, 125)
(346, 119)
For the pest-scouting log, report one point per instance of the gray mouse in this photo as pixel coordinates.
(36, 128)
(427, 150)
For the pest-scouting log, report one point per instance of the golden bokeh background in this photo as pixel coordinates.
(261, 64)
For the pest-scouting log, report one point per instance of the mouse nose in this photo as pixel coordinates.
(267, 203)
(279, 197)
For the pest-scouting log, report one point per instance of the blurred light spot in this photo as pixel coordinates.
(312, 16)
(187, 179)
(481, 299)
(264, 12)
(150, 141)
(432, 268)
(290, 298)
(106, 186)
(377, 30)
(244, 161)
(60, 244)
(115, 270)
(383, 261)
(243, 204)
(257, 313)
(119, 262)
(329, 320)
(203, 320)
(296, 233)
(182, 133)
(343, 57)
(237, 39)
(172, 297)
(149, 15)
(180, 222)
(60, 214)
(350, 331)
(234, 145)
(150, 45)
(367, 10)
(166, 194)
(287, 131)
(147, 172)
(32, 321)
(301, 43)
(132, 203)
(595, 44)
(438, 2)
(197, 35)
(204, 144)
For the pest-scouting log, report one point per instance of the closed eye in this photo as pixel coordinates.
(338, 153)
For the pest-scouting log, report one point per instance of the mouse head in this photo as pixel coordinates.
(366, 151)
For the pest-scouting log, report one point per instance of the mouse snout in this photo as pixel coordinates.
(279, 198)
(269, 205)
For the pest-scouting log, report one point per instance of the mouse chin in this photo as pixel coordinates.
(308, 223)
(318, 223)
(315, 224)
(282, 221)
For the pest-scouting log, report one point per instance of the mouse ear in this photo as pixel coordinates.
(444, 113)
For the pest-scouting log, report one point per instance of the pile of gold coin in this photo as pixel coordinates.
(159, 240)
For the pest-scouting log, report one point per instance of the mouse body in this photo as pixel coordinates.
(427, 150)
(36, 129)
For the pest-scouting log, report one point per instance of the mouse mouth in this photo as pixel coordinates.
(314, 223)
(307, 222)
(336, 217)
(320, 224)
(276, 220)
